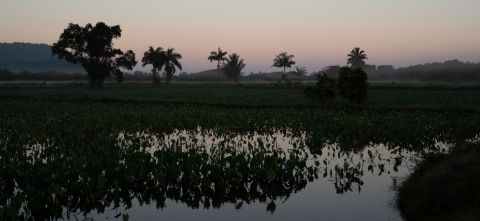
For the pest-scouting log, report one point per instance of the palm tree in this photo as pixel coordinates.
(301, 71)
(171, 61)
(283, 60)
(217, 56)
(233, 67)
(356, 58)
(155, 58)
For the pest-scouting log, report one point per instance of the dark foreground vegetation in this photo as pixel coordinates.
(444, 186)
(68, 157)
(68, 152)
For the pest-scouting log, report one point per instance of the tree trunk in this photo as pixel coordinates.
(98, 82)
(92, 81)
(154, 72)
(284, 86)
(218, 67)
(169, 76)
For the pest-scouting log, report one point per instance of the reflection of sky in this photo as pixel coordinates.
(318, 33)
(317, 201)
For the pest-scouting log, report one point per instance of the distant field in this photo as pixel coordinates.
(424, 83)
(257, 94)
(148, 84)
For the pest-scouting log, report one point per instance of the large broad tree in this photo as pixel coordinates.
(356, 58)
(283, 60)
(171, 61)
(92, 47)
(217, 56)
(156, 58)
(233, 66)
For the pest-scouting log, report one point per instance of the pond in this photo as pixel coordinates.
(320, 199)
(80, 159)
(204, 175)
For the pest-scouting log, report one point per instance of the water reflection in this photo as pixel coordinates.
(199, 168)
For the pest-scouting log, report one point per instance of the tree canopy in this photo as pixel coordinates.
(156, 58)
(171, 61)
(233, 67)
(283, 60)
(92, 47)
(356, 58)
(217, 56)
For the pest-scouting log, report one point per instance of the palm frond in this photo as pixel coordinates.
(356, 57)
(283, 60)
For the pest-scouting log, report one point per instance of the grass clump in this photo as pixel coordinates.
(444, 186)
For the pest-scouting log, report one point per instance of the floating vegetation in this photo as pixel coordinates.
(60, 159)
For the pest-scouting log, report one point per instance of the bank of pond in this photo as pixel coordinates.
(443, 186)
(84, 159)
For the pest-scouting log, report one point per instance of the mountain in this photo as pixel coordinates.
(42, 66)
(18, 56)
(24, 52)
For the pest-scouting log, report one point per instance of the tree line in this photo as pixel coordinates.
(448, 71)
(201, 76)
(92, 48)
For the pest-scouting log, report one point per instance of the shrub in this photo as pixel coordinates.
(323, 90)
(289, 83)
(352, 84)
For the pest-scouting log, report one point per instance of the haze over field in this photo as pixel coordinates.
(318, 33)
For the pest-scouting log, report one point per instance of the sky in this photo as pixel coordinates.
(318, 33)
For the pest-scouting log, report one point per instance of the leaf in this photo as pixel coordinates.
(57, 189)
(239, 205)
(125, 217)
(15, 169)
(101, 182)
(271, 174)
(271, 207)
(239, 174)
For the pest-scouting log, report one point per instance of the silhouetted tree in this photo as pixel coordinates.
(217, 56)
(300, 72)
(156, 58)
(356, 57)
(323, 90)
(331, 71)
(92, 47)
(233, 67)
(352, 84)
(171, 61)
(283, 60)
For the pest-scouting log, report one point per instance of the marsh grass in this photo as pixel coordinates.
(444, 186)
